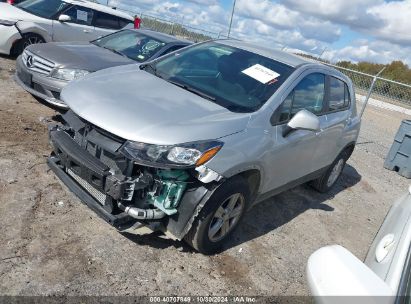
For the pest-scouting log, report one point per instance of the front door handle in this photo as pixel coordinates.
(86, 31)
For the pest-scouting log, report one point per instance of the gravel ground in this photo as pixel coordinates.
(51, 244)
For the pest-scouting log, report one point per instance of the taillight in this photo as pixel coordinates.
(10, 2)
(137, 22)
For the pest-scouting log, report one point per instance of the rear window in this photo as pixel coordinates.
(108, 21)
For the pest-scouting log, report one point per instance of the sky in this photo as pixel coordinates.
(356, 30)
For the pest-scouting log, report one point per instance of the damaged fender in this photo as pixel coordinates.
(189, 208)
(26, 27)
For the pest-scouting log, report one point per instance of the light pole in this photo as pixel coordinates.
(231, 20)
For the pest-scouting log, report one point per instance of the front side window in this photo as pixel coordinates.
(339, 95)
(233, 78)
(307, 95)
(133, 44)
(43, 8)
(108, 21)
(80, 15)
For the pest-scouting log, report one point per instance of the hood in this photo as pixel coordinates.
(12, 13)
(139, 106)
(79, 55)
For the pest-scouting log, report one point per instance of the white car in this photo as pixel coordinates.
(334, 273)
(38, 21)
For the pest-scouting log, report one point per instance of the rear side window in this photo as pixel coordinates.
(339, 95)
(108, 21)
(80, 15)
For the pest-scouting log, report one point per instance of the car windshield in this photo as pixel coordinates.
(135, 45)
(42, 8)
(236, 79)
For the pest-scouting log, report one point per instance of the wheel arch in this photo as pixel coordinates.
(194, 201)
(348, 150)
(16, 44)
(26, 28)
(253, 178)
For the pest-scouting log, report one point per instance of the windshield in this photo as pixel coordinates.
(134, 45)
(236, 79)
(42, 8)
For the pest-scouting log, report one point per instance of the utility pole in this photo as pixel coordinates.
(322, 53)
(231, 20)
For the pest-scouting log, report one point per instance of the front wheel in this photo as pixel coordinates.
(220, 216)
(28, 39)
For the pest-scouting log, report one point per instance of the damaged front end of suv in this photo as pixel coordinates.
(130, 184)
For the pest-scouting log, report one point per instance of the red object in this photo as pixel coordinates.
(137, 22)
(10, 2)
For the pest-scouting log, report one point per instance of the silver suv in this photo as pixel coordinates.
(187, 143)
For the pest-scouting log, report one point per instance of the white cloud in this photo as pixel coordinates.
(396, 20)
(309, 25)
(279, 16)
(352, 13)
(374, 51)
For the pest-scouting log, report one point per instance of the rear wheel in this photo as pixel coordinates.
(331, 176)
(220, 216)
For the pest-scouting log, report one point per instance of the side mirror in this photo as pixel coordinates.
(303, 120)
(334, 271)
(64, 18)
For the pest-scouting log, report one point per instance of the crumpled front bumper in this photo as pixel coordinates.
(90, 173)
(86, 176)
(121, 221)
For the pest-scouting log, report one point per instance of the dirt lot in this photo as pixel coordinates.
(51, 244)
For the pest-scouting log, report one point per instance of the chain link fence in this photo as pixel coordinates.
(384, 89)
(176, 29)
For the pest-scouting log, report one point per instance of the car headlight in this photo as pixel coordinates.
(184, 155)
(69, 74)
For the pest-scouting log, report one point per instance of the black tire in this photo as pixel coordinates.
(324, 183)
(28, 39)
(198, 237)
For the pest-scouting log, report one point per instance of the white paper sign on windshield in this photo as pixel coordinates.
(82, 15)
(261, 73)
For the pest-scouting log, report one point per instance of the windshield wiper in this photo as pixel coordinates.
(152, 67)
(114, 51)
(193, 90)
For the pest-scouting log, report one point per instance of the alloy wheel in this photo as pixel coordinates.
(226, 217)
(335, 173)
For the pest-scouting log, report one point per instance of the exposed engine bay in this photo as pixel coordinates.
(127, 191)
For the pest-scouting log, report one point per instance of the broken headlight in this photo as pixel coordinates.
(184, 155)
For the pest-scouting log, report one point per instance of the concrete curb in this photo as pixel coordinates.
(384, 105)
